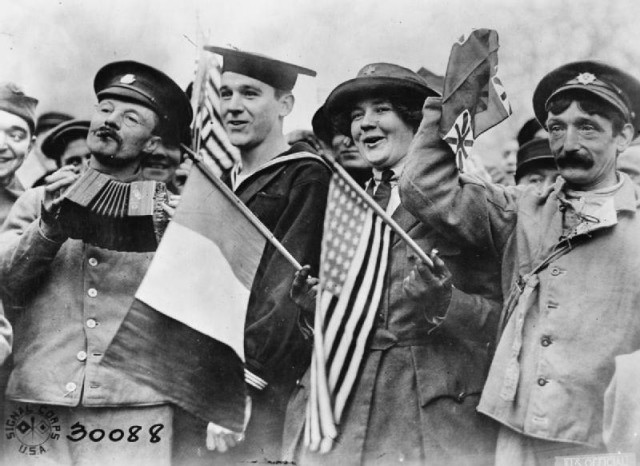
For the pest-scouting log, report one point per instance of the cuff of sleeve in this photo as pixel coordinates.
(254, 380)
(457, 314)
(47, 230)
(437, 321)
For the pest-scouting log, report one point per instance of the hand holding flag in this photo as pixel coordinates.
(355, 251)
(474, 99)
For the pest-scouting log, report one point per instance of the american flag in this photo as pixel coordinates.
(355, 248)
(209, 133)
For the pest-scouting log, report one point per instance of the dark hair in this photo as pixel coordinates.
(280, 92)
(589, 103)
(407, 107)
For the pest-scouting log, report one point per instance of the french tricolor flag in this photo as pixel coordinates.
(184, 334)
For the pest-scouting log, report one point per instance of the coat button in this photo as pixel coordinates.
(91, 323)
(92, 292)
(542, 381)
(545, 341)
(93, 261)
(70, 387)
(555, 271)
(82, 356)
(461, 396)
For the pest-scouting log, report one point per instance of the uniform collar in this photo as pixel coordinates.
(626, 198)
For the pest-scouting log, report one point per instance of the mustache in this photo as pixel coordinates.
(158, 158)
(106, 132)
(574, 160)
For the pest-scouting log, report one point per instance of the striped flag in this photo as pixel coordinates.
(473, 98)
(184, 334)
(209, 133)
(355, 249)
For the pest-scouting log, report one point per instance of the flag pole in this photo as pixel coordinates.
(379, 211)
(241, 207)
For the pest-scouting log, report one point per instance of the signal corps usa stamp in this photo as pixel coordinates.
(32, 429)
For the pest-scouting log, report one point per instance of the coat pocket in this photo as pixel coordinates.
(446, 370)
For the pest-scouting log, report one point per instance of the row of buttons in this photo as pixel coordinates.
(91, 323)
(92, 292)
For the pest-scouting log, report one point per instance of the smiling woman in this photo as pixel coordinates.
(416, 380)
(380, 109)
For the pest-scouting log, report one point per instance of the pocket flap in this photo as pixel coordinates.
(447, 371)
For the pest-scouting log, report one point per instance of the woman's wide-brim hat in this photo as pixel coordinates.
(384, 79)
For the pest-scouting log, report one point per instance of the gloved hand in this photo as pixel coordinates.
(56, 185)
(304, 289)
(433, 287)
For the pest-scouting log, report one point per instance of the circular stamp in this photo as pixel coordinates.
(32, 428)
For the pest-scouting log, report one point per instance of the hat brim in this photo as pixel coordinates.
(158, 92)
(553, 83)
(525, 166)
(349, 92)
(130, 95)
(54, 144)
(322, 127)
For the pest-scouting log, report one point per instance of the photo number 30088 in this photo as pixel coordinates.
(129, 434)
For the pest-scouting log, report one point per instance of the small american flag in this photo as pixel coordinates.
(355, 249)
(209, 133)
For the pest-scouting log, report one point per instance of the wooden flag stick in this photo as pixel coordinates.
(379, 211)
(197, 160)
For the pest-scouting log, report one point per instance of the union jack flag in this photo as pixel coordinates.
(473, 99)
(209, 133)
(355, 249)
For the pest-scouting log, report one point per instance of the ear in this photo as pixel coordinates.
(286, 104)
(624, 137)
(31, 144)
(151, 144)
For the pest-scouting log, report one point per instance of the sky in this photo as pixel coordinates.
(53, 48)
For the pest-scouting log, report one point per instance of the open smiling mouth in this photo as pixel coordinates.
(371, 142)
(236, 124)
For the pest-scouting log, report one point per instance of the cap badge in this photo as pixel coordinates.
(369, 70)
(128, 79)
(586, 78)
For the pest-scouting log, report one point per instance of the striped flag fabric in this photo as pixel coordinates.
(355, 249)
(209, 133)
(184, 334)
(473, 98)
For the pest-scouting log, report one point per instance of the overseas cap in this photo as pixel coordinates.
(54, 143)
(531, 153)
(275, 73)
(13, 100)
(605, 81)
(145, 85)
